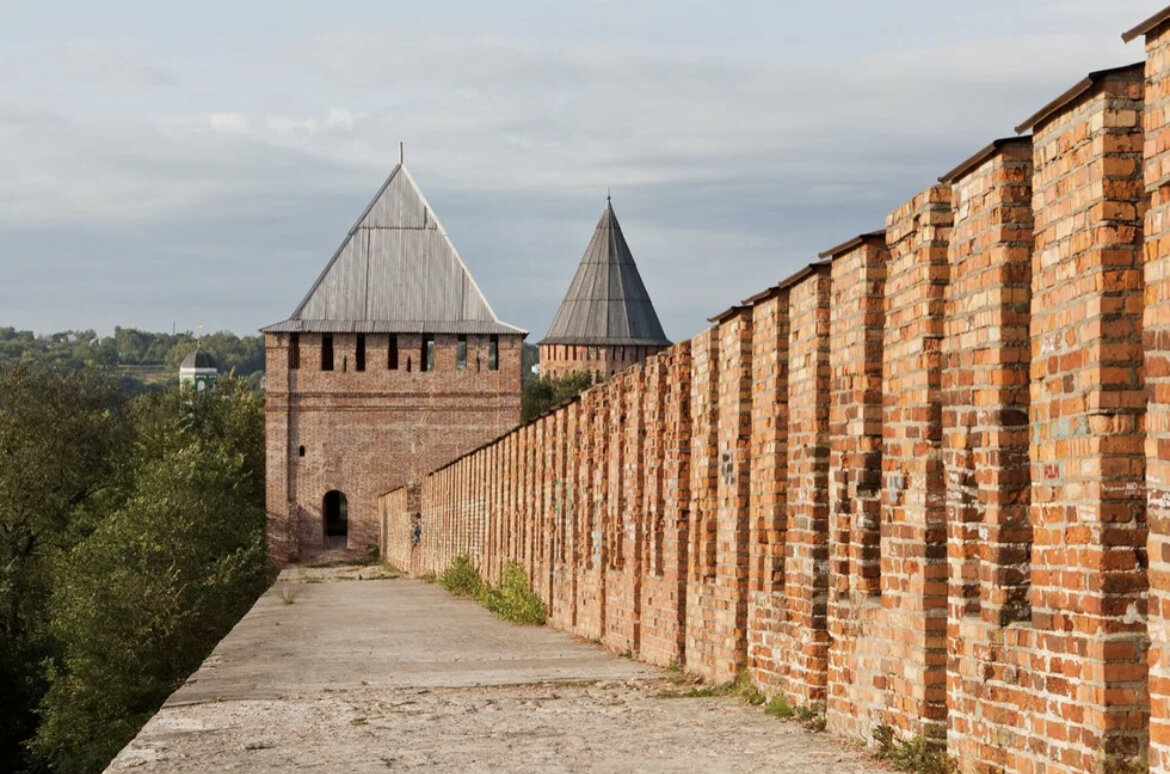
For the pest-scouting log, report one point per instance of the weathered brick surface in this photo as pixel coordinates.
(913, 554)
(704, 474)
(1156, 334)
(985, 427)
(803, 641)
(624, 514)
(854, 489)
(768, 486)
(667, 459)
(923, 483)
(1088, 589)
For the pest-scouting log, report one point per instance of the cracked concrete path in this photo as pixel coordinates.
(348, 669)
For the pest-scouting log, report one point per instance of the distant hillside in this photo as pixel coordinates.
(145, 360)
(140, 359)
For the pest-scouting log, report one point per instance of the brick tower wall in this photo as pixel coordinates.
(599, 361)
(367, 432)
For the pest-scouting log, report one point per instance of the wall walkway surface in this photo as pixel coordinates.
(924, 482)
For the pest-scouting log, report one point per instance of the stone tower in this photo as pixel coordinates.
(606, 321)
(393, 365)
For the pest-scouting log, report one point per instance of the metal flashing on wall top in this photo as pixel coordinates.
(727, 314)
(980, 156)
(762, 296)
(1076, 90)
(813, 268)
(1147, 26)
(856, 241)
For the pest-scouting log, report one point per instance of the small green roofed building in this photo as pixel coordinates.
(198, 371)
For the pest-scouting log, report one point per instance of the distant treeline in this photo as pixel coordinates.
(131, 354)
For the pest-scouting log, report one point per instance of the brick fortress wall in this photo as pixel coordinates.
(922, 483)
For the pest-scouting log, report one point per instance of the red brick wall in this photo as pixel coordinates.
(1088, 591)
(856, 345)
(365, 433)
(768, 503)
(803, 641)
(985, 428)
(704, 475)
(920, 483)
(1156, 334)
(667, 457)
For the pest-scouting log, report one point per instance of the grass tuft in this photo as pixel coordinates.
(779, 707)
(918, 755)
(289, 593)
(513, 600)
(462, 579)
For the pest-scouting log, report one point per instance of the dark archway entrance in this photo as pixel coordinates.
(336, 518)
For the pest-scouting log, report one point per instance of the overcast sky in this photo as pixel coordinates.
(198, 163)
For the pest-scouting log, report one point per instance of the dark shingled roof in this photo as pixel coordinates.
(197, 358)
(607, 302)
(398, 272)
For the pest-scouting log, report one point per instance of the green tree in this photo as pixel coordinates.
(542, 394)
(61, 435)
(139, 603)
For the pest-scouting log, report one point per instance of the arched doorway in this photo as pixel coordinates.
(334, 511)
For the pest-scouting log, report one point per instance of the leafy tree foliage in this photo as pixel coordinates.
(542, 394)
(131, 540)
(61, 435)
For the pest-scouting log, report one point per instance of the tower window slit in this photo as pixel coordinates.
(327, 352)
(426, 360)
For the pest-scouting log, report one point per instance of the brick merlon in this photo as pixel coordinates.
(980, 156)
(812, 268)
(848, 245)
(1148, 26)
(1077, 90)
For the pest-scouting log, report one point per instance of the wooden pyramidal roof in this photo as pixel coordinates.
(606, 303)
(397, 272)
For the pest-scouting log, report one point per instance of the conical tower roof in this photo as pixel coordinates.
(607, 302)
(396, 271)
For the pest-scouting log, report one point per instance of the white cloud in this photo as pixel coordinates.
(728, 171)
(228, 122)
(339, 118)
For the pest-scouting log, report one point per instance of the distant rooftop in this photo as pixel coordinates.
(197, 358)
(398, 272)
(606, 302)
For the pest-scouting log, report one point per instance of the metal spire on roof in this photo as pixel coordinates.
(401, 151)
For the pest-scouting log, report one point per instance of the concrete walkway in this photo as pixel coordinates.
(350, 670)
